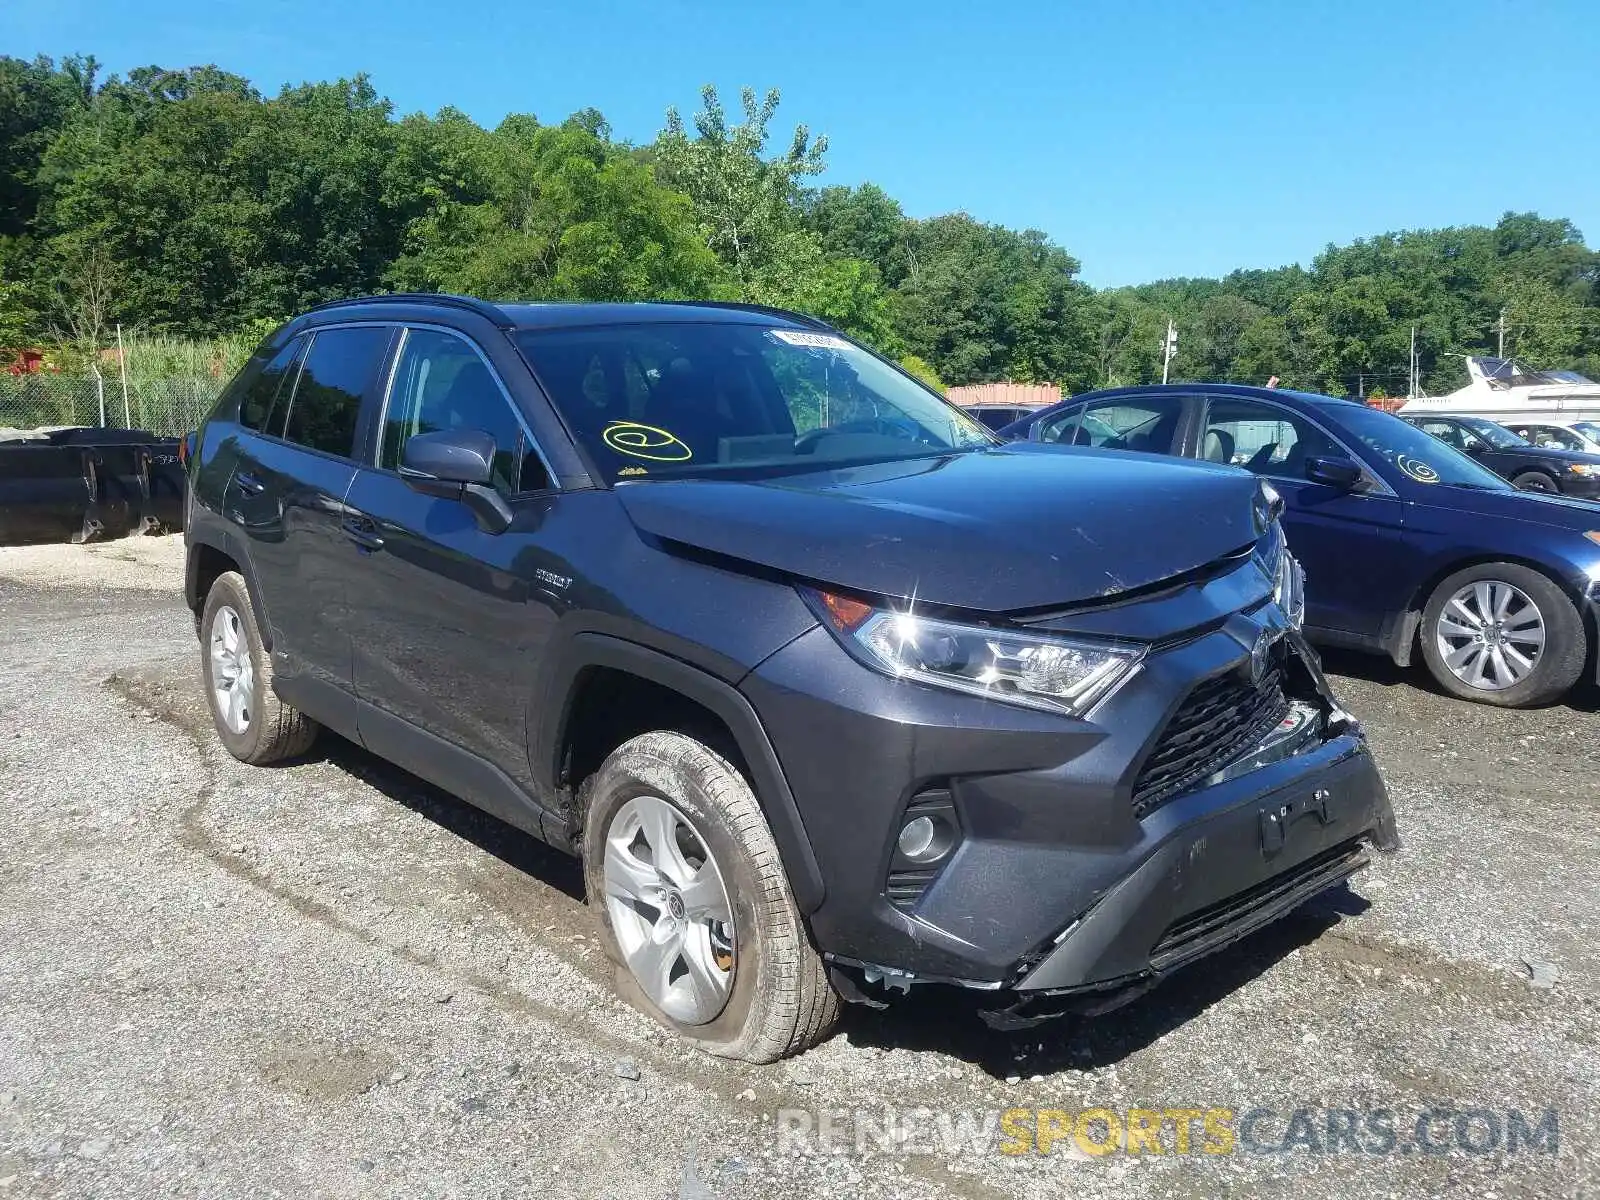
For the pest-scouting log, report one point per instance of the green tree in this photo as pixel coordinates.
(36, 100)
(923, 371)
(747, 204)
(863, 222)
(981, 302)
(554, 212)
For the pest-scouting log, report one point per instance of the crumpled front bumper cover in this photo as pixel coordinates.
(1222, 877)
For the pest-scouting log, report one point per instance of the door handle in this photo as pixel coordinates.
(249, 484)
(362, 532)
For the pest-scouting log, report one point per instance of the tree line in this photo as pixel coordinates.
(187, 203)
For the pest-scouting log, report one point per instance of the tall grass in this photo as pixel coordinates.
(159, 358)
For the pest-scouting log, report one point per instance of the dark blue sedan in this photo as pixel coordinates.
(1405, 541)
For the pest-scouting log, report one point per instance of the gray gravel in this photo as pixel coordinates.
(331, 979)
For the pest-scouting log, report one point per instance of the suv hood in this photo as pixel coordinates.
(1015, 527)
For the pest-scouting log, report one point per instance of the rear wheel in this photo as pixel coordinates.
(1503, 634)
(1535, 481)
(251, 721)
(693, 905)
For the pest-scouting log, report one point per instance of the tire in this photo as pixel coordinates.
(775, 999)
(269, 730)
(1556, 663)
(1536, 481)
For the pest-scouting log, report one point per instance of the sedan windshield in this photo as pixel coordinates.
(1497, 436)
(1418, 456)
(654, 400)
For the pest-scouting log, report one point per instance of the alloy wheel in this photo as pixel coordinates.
(1490, 635)
(669, 909)
(233, 674)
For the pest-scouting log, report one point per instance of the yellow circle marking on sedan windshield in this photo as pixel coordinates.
(645, 441)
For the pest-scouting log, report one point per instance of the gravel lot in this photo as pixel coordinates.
(330, 979)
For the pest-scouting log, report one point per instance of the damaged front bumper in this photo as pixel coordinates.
(1295, 814)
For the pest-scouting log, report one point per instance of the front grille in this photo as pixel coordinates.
(1218, 721)
(1228, 920)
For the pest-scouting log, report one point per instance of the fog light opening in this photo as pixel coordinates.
(925, 839)
(916, 839)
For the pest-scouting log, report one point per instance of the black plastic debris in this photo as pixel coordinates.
(84, 485)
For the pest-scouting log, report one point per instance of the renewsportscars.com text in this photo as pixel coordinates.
(1177, 1130)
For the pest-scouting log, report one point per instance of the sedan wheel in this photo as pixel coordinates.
(1536, 481)
(669, 910)
(1490, 635)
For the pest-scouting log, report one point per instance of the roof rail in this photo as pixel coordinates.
(482, 307)
(769, 309)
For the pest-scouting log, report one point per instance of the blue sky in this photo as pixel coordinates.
(1150, 139)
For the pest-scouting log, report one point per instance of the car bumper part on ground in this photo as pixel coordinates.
(88, 484)
(1055, 885)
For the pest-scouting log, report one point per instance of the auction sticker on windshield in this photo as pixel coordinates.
(816, 341)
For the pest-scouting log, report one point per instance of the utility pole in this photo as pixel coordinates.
(1500, 328)
(1411, 386)
(122, 364)
(1169, 347)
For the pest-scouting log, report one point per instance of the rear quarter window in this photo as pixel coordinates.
(263, 382)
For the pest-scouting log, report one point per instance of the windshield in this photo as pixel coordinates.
(1418, 456)
(1497, 436)
(1589, 429)
(657, 400)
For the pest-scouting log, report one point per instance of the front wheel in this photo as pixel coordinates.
(693, 905)
(1503, 634)
(1535, 481)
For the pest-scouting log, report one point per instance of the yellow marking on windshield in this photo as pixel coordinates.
(645, 441)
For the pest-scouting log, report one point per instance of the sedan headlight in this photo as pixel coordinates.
(1586, 469)
(1057, 674)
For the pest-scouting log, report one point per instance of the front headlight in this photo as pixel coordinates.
(1586, 469)
(1289, 589)
(1268, 506)
(1288, 579)
(1057, 674)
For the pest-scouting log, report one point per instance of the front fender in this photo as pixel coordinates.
(584, 651)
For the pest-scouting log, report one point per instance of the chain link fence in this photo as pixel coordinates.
(169, 407)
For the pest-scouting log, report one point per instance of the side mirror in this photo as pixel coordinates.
(457, 464)
(450, 456)
(1334, 472)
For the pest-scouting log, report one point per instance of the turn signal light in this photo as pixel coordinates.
(846, 612)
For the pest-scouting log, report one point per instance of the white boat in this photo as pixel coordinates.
(1504, 390)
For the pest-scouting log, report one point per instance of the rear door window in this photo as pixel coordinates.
(1061, 427)
(1148, 424)
(338, 370)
